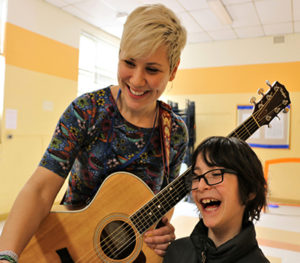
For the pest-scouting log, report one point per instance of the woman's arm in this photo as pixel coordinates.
(31, 206)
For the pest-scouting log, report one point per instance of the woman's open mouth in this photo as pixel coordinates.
(136, 93)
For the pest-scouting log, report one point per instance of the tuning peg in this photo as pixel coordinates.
(252, 100)
(261, 91)
(286, 110)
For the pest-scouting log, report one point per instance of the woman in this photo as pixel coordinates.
(114, 129)
(229, 189)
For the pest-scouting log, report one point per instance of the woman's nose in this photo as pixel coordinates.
(138, 78)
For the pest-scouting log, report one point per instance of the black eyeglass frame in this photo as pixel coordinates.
(199, 177)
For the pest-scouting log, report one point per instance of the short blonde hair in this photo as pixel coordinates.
(150, 26)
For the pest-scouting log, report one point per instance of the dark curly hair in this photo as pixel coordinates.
(235, 154)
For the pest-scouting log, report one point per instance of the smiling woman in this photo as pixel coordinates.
(122, 127)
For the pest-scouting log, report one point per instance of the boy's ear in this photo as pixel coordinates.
(173, 73)
(251, 196)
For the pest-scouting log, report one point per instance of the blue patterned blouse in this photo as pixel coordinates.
(92, 140)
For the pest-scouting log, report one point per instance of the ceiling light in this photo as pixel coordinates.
(220, 11)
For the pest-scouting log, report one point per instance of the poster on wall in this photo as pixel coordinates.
(11, 117)
(274, 135)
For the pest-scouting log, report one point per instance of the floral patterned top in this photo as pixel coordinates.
(92, 140)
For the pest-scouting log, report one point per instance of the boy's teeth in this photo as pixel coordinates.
(206, 201)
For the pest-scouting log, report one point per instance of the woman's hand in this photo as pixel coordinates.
(159, 239)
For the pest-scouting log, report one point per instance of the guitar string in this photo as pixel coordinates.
(261, 110)
(234, 132)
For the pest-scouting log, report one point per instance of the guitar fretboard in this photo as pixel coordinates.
(161, 203)
(246, 129)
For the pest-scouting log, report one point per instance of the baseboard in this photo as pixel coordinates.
(281, 201)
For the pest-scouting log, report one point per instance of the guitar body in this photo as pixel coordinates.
(74, 236)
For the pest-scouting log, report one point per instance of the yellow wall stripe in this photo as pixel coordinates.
(235, 79)
(35, 52)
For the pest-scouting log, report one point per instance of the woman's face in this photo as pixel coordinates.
(220, 205)
(143, 80)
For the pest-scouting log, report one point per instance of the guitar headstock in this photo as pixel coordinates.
(274, 101)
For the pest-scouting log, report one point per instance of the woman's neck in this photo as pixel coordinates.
(143, 118)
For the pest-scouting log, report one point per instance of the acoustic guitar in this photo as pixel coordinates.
(111, 227)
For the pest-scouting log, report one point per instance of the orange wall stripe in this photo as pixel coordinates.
(276, 161)
(278, 244)
(29, 50)
(235, 79)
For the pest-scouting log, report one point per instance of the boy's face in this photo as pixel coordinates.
(220, 204)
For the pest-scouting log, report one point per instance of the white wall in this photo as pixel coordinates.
(241, 52)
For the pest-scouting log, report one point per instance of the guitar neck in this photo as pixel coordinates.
(246, 129)
(161, 203)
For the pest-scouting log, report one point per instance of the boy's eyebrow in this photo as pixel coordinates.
(196, 168)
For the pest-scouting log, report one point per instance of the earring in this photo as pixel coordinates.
(169, 88)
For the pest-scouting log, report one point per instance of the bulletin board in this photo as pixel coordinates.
(276, 135)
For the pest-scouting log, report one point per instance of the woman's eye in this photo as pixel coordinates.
(129, 63)
(152, 70)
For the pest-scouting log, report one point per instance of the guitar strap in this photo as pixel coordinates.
(165, 138)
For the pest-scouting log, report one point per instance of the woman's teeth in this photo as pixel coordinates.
(137, 93)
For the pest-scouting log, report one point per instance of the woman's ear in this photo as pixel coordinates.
(173, 73)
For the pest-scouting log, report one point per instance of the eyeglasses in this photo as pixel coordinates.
(211, 177)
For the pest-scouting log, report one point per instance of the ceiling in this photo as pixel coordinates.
(251, 18)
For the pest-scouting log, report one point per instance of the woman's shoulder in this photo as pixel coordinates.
(96, 94)
(94, 102)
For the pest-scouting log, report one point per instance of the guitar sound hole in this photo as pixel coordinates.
(117, 240)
